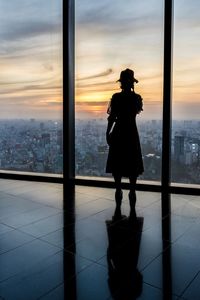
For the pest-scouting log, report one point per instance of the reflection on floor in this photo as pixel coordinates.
(80, 252)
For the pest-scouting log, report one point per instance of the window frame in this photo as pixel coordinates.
(165, 184)
(69, 116)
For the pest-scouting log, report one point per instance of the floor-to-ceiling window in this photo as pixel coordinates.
(186, 93)
(111, 36)
(31, 136)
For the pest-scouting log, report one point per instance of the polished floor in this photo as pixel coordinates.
(53, 251)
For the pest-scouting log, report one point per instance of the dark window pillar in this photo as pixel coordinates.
(167, 94)
(167, 91)
(68, 93)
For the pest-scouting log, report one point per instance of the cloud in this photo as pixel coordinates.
(31, 88)
(31, 55)
(54, 103)
(92, 103)
(102, 74)
(18, 82)
(98, 84)
(24, 30)
(105, 18)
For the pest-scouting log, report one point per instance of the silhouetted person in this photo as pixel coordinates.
(124, 157)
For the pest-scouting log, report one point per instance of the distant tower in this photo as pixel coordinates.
(179, 148)
(60, 140)
(42, 126)
(45, 139)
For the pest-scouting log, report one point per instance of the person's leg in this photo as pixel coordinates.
(118, 194)
(132, 195)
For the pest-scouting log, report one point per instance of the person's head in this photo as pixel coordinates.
(127, 79)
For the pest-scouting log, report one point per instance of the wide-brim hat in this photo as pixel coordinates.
(127, 76)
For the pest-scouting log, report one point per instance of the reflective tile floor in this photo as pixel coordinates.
(51, 251)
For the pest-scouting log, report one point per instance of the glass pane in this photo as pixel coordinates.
(110, 37)
(186, 94)
(31, 85)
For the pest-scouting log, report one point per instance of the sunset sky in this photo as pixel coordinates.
(114, 35)
(111, 35)
(30, 59)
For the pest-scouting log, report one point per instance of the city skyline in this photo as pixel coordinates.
(185, 149)
(31, 146)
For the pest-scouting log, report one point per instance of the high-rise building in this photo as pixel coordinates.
(45, 139)
(179, 148)
(60, 140)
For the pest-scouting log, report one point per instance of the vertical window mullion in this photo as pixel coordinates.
(68, 92)
(167, 88)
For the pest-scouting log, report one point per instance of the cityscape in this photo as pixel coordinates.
(92, 149)
(31, 146)
(37, 146)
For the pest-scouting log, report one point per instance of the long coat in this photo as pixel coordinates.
(124, 156)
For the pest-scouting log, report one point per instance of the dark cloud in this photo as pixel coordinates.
(117, 18)
(39, 87)
(99, 84)
(5, 83)
(30, 88)
(102, 74)
(92, 13)
(133, 26)
(20, 50)
(24, 30)
(24, 100)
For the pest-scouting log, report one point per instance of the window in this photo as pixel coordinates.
(186, 91)
(111, 36)
(31, 86)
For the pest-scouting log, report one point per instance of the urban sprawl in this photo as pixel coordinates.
(37, 146)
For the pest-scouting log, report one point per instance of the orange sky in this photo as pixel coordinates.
(110, 36)
(93, 95)
(108, 42)
(31, 59)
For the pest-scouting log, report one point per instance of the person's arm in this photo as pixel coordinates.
(109, 127)
(111, 111)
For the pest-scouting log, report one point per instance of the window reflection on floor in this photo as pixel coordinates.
(82, 253)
